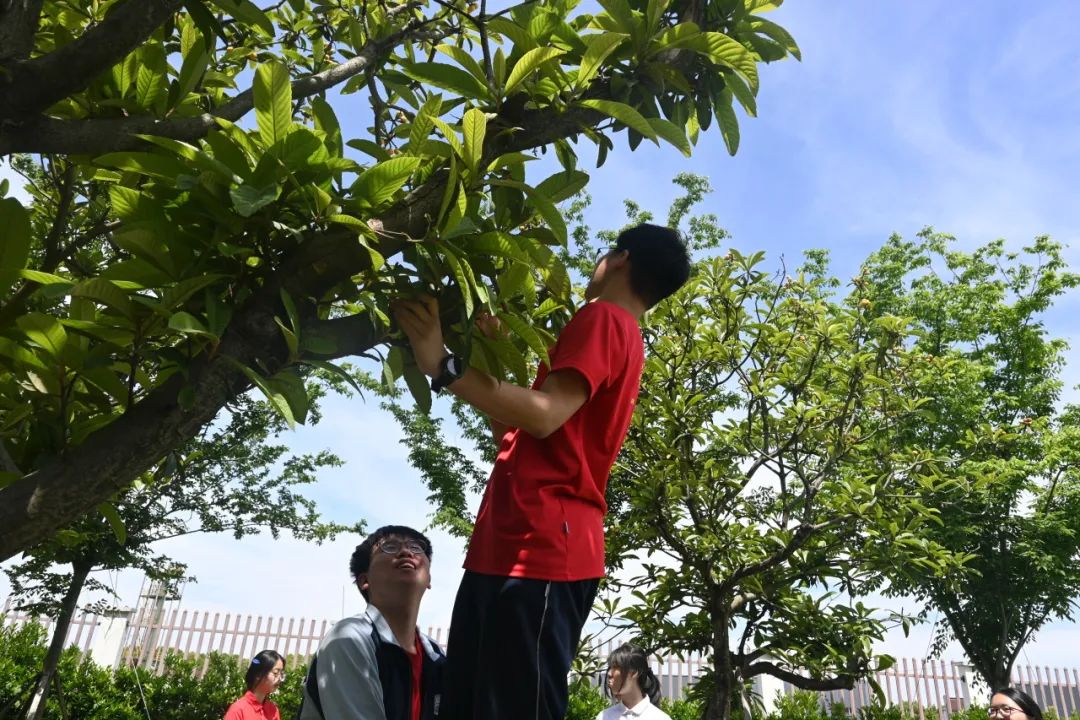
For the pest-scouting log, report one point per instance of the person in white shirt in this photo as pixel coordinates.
(633, 686)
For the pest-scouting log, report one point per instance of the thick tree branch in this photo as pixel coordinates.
(35, 506)
(34, 85)
(97, 136)
(763, 667)
(798, 539)
(19, 21)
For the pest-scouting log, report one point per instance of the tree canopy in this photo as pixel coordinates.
(1015, 512)
(188, 240)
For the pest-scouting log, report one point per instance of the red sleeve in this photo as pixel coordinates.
(592, 345)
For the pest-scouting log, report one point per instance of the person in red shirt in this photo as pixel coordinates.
(537, 550)
(264, 674)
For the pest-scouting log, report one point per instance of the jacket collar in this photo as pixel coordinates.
(387, 635)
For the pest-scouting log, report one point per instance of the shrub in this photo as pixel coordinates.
(679, 709)
(799, 705)
(586, 701)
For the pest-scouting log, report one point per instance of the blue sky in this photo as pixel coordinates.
(903, 114)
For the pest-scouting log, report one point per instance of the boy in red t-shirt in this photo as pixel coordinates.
(537, 551)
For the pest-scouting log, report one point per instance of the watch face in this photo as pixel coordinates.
(453, 364)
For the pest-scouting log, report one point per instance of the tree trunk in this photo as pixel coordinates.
(998, 675)
(719, 704)
(56, 646)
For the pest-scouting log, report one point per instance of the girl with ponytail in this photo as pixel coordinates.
(633, 686)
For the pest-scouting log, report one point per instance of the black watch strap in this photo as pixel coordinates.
(451, 368)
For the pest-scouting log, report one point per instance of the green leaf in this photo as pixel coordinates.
(448, 77)
(418, 386)
(563, 185)
(464, 282)
(543, 205)
(599, 47)
(44, 331)
(674, 37)
(777, 33)
(724, 50)
(248, 199)
(176, 295)
(273, 393)
(377, 185)
(465, 60)
(125, 201)
(422, 123)
(370, 148)
(450, 135)
(125, 72)
(144, 163)
(625, 114)
(15, 244)
(333, 369)
(42, 278)
(200, 159)
(742, 93)
(355, 223)
(108, 510)
(105, 292)
(273, 102)
(517, 280)
(521, 38)
(527, 333)
(327, 123)
(474, 125)
(150, 78)
(247, 13)
(106, 380)
(496, 243)
(729, 124)
(189, 324)
(672, 133)
(528, 64)
(191, 72)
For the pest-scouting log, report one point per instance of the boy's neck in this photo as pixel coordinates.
(401, 617)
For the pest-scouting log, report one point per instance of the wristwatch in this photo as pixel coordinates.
(451, 368)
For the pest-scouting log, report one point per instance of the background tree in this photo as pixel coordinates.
(1016, 511)
(232, 478)
(171, 259)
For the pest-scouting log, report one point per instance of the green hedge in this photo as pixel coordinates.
(93, 693)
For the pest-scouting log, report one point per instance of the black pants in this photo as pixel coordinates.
(511, 644)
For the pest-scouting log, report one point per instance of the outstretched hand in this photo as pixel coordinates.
(419, 319)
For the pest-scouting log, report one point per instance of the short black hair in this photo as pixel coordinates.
(1024, 701)
(659, 260)
(361, 557)
(260, 667)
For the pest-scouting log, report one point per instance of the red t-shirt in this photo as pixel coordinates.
(417, 660)
(250, 708)
(542, 515)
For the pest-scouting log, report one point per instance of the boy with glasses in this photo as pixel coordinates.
(537, 551)
(377, 665)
